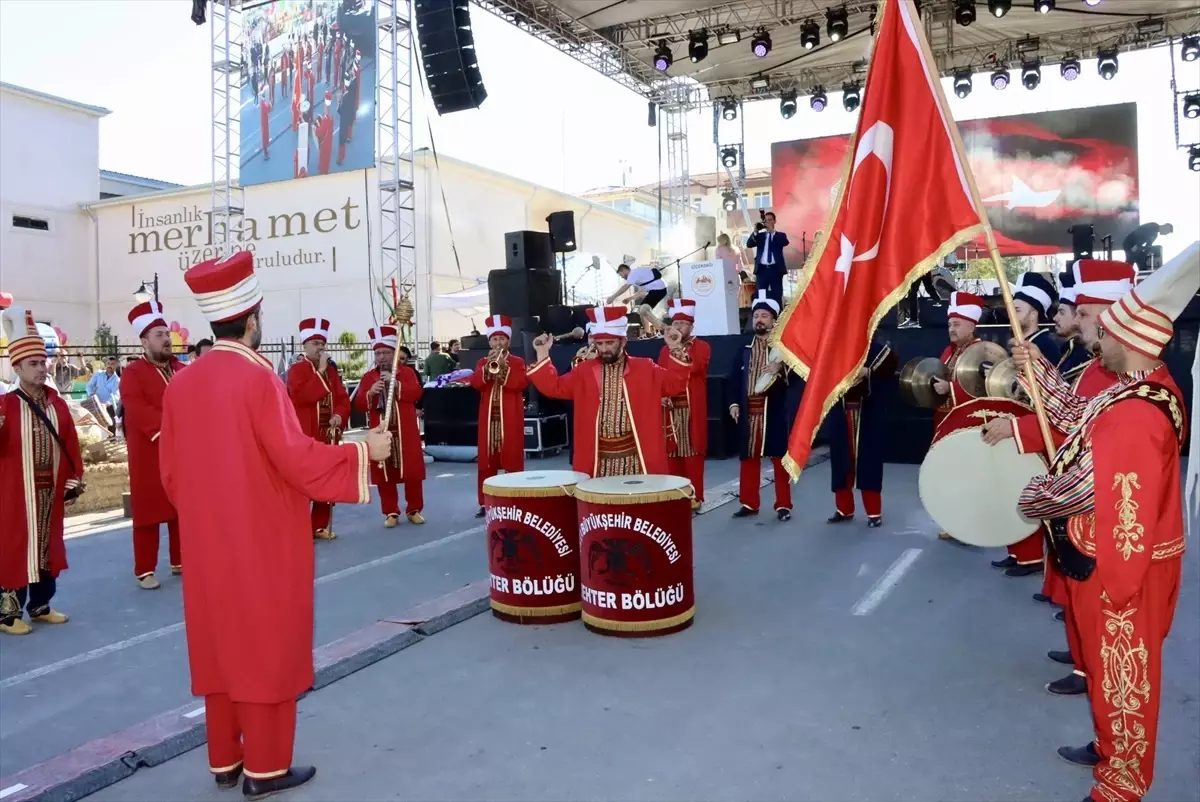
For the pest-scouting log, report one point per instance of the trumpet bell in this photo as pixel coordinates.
(916, 381)
(973, 365)
(1001, 382)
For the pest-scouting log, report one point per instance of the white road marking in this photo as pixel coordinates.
(862, 569)
(12, 789)
(887, 583)
(197, 712)
(390, 558)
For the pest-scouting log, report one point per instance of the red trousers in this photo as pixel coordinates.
(1122, 655)
(389, 497)
(1054, 584)
(751, 479)
(1071, 590)
(690, 468)
(1030, 550)
(145, 548)
(260, 736)
(490, 465)
(872, 500)
(322, 515)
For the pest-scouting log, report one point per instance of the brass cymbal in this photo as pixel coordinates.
(1002, 382)
(916, 381)
(972, 367)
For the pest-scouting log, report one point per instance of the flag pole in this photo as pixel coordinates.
(1035, 392)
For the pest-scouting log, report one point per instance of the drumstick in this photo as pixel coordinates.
(391, 393)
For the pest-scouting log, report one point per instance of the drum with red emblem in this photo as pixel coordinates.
(533, 545)
(635, 550)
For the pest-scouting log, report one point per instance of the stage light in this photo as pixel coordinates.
(728, 37)
(964, 12)
(1189, 48)
(760, 45)
(1191, 105)
(851, 96)
(729, 110)
(1000, 79)
(810, 34)
(962, 83)
(1194, 158)
(729, 157)
(662, 56)
(1092, 2)
(698, 46)
(728, 201)
(999, 8)
(1044, 6)
(837, 24)
(198, 11)
(818, 101)
(1069, 69)
(1106, 64)
(787, 105)
(1031, 74)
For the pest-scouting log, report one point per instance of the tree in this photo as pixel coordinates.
(1014, 266)
(354, 361)
(104, 342)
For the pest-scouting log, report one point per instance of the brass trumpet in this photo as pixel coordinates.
(497, 361)
(583, 354)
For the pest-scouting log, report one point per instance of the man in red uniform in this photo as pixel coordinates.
(41, 471)
(687, 413)
(323, 130)
(501, 406)
(264, 121)
(407, 463)
(1113, 497)
(143, 383)
(243, 502)
(618, 429)
(322, 405)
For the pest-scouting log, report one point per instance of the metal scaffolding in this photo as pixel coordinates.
(675, 105)
(228, 202)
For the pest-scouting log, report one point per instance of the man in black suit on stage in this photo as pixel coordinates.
(769, 266)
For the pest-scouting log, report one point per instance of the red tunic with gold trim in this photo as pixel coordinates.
(957, 394)
(142, 387)
(618, 411)
(502, 412)
(407, 462)
(689, 410)
(31, 528)
(243, 502)
(316, 398)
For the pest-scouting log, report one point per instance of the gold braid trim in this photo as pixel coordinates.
(527, 492)
(1126, 688)
(640, 626)
(536, 612)
(652, 497)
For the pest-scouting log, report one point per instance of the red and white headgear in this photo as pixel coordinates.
(1101, 282)
(608, 322)
(761, 301)
(682, 309)
(225, 289)
(314, 328)
(498, 324)
(384, 337)
(966, 306)
(29, 344)
(146, 316)
(1143, 320)
(328, 97)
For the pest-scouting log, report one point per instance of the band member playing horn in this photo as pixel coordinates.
(618, 427)
(649, 291)
(1075, 356)
(763, 410)
(406, 466)
(857, 430)
(686, 414)
(501, 381)
(1117, 518)
(143, 384)
(321, 403)
(43, 473)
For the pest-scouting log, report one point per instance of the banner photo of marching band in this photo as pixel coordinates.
(308, 99)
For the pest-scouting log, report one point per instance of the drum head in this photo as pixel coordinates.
(633, 485)
(970, 489)
(522, 479)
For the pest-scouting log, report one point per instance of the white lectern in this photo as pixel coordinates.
(714, 288)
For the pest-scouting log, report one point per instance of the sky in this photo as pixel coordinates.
(547, 119)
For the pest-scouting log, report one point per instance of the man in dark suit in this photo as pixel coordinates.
(769, 266)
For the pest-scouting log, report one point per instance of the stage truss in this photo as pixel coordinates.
(228, 64)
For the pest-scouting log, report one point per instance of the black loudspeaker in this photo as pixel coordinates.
(523, 293)
(528, 250)
(562, 231)
(448, 54)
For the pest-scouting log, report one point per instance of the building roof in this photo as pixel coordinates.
(54, 100)
(137, 180)
(754, 175)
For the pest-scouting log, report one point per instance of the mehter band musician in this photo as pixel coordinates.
(143, 384)
(407, 463)
(243, 501)
(501, 381)
(1113, 497)
(962, 316)
(618, 427)
(1066, 325)
(857, 432)
(43, 472)
(687, 413)
(321, 403)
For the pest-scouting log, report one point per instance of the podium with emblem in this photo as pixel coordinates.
(715, 291)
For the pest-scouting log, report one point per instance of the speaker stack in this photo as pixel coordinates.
(448, 54)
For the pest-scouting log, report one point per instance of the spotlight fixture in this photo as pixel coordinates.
(1189, 48)
(837, 24)
(962, 83)
(818, 101)
(964, 12)
(729, 157)
(1069, 69)
(1194, 158)
(728, 201)
(998, 8)
(729, 110)
(1000, 79)
(810, 34)
(1092, 2)
(1031, 74)
(1191, 105)
(1044, 6)
(728, 37)
(851, 96)
(662, 56)
(760, 45)
(1106, 64)
(698, 46)
(787, 105)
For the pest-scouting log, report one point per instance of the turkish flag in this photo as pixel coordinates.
(903, 203)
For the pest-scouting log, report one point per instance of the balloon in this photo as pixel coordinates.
(184, 334)
(62, 335)
(174, 325)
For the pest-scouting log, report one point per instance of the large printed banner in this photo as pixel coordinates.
(308, 94)
(1038, 174)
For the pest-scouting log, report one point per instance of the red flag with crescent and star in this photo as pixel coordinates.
(904, 202)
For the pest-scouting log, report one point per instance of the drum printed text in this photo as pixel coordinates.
(542, 586)
(638, 600)
(621, 520)
(534, 522)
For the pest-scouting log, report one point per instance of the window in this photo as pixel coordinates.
(30, 223)
(762, 200)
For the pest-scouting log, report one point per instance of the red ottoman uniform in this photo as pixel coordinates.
(501, 440)
(686, 414)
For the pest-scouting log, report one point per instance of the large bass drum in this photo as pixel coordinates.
(969, 488)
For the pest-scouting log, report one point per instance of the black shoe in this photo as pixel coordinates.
(783, 514)
(744, 512)
(1041, 597)
(482, 512)
(1024, 570)
(838, 518)
(1070, 685)
(1063, 657)
(874, 521)
(228, 779)
(1060, 616)
(1007, 562)
(296, 776)
(1085, 756)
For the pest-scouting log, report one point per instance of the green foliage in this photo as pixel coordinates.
(1014, 266)
(352, 361)
(104, 341)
